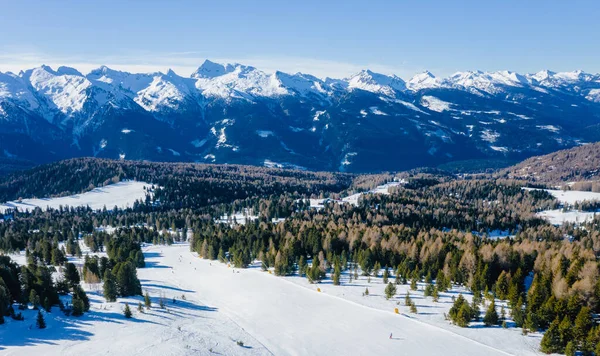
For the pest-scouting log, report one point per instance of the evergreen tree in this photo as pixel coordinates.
(140, 307)
(440, 281)
(386, 274)
(79, 294)
(398, 279)
(390, 290)
(147, 301)
(377, 268)
(336, 274)
(366, 292)
(551, 342)
(78, 307)
(517, 312)
(302, 265)
(429, 288)
(127, 311)
(491, 316)
(565, 330)
(128, 283)
(413, 284)
(502, 286)
(71, 275)
(436, 294)
(34, 299)
(570, 349)
(40, 322)
(583, 324)
(407, 299)
(110, 286)
(413, 308)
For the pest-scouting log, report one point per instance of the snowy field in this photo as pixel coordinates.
(122, 194)
(570, 197)
(353, 199)
(270, 315)
(567, 198)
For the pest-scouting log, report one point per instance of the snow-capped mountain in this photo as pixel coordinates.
(240, 114)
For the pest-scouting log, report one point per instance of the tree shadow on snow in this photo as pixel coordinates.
(158, 286)
(152, 264)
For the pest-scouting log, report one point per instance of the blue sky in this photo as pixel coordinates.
(334, 38)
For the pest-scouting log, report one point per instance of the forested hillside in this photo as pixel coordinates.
(431, 227)
(581, 163)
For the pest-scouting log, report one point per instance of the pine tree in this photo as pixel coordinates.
(429, 288)
(301, 266)
(436, 294)
(40, 322)
(376, 268)
(570, 349)
(407, 300)
(390, 290)
(366, 292)
(517, 312)
(440, 281)
(147, 301)
(386, 275)
(79, 294)
(491, 316)
(464, 316)
(127, 282)
(502, 286)
(413, 308)
(34, 299)
(565, 329)
(110, 286)
(71, 275)
(336, 274)
(551, 342)
(413, 284)
(583, 324)
(140, 307)
(78, 307)
(127, 311)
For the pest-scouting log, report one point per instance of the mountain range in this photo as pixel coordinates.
(233, 113)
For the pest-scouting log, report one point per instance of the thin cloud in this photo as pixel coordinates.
(185, 63)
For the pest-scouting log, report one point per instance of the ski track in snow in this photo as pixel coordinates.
(290, 319)
(271, 315)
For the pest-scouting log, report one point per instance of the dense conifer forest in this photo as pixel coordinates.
(435, 228)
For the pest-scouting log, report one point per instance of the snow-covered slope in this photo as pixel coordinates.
(122, 195)
(270, 315)
(376, 83)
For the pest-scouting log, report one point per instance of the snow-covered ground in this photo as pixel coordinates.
(353, 199)
(269, 314)
(572, 196)
(122, 194)
(186, 327)
(568, 197)
(559, 217)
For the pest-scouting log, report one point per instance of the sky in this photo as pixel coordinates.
(322, 37)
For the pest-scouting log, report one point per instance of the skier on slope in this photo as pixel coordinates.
(390, 336)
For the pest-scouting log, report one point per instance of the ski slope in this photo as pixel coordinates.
(122, 194)
(270, 315)
(291, 319)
